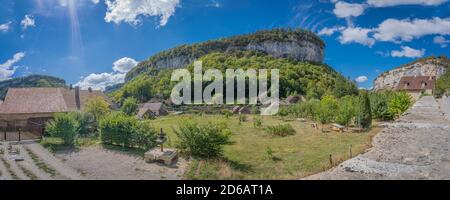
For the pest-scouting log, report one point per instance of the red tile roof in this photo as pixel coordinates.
(417, 83)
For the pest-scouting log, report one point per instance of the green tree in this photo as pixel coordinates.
(346, 110)
(399, 103)
(130, 106)
(97, 107)
(86, 122)
(326, 111)
(364, 113)
(443, 84)
(63, 126)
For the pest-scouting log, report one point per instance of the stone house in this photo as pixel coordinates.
(417, 85)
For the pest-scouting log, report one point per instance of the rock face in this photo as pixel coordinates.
(433, 66)
(299, 45)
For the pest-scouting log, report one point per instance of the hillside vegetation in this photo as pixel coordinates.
(30, 81)
(303, 78)
(185, 54)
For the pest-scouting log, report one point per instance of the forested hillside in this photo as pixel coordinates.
(312, 80)
(30, 81)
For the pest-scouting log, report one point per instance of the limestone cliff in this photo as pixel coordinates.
(299, 45)
(432, 66)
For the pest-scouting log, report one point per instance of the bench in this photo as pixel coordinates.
(338, 128)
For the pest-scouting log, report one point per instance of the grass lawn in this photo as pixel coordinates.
(304, 153)
(307, 152)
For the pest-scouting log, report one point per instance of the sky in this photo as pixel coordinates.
(93, 43)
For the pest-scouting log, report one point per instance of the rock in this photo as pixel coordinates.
(424, 67)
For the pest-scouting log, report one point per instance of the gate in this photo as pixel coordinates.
(19, 133)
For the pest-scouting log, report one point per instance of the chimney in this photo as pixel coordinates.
(77, 97)
(90, 89)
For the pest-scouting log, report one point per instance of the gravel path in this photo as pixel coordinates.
(97, 162)
(28, 168)
(414, 147)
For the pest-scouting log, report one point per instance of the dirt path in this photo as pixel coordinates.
(99, 163)
(414, 147)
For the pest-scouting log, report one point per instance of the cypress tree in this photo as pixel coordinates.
(364, 118)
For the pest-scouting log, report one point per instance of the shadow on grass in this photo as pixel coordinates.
(241, 167)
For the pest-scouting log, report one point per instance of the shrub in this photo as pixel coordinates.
(97, 107)
(327, 109)
(119, 129)
(364, 113)
(443, 84)
(379, 105)
(399, 103)
(63, 126)
(144, 136)
(282, 130)
(130, 106)
(202, 140)
(257, 122)
(86, 123)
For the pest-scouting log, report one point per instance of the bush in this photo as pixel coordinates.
(202, 140)
(257, 122)
(119, 129)
(399, 103)
(443, 85)
(86, 123)
(63, 126)
(282, 130)
(379, 105)
(327, 109)
(130, 106)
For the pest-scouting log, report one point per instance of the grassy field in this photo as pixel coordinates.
(307, 152)
(304, 153)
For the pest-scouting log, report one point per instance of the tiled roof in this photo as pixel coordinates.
(44, 100)
(417, 83)
(154, 107)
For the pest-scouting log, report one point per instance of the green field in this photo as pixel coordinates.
(307, 152)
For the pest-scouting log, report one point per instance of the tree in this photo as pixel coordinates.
(443, 84)
(63, 126)
(364, 114)
(326, 111)
(399, 103)
(130, 106)
(86, 122)
(98, 107)
(346, 110)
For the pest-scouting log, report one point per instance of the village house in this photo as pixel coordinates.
(417, 85)
(28, 109)
(147, 110)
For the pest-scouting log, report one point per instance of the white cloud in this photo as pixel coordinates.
(124, 65)
(5, 27)
(344, 10)
(8, 69)
(130, 11)
(408, 52)
(406, 30)
(441, 41)
(95, 1)
(103, 80)
(388, 3)
(361, 79)
(28, 21)
(330, 31)
(356, 35)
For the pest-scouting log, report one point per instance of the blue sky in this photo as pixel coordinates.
(95, 42)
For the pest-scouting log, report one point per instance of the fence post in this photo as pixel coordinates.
(19, 133)
(4, 133)
(351, 153)
(331, 160)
